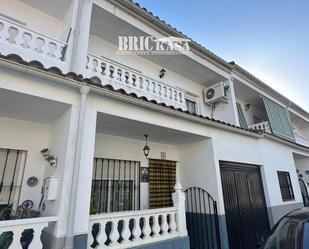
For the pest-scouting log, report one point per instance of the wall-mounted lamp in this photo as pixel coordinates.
(247, 107)
(51, 159)
(146, 148)
(162, 73)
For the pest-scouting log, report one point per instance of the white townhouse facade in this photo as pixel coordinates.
(229, 156)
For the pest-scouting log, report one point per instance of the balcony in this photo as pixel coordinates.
(132, 81)
(30, 45)
(262, 126)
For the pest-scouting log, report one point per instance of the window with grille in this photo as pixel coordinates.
(285, 186)
(191, 106)
(11, 174)
(115, 186)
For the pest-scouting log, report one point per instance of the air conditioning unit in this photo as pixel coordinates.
(215, 93)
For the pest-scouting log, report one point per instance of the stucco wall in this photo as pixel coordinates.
(32, 137)
(34, 19)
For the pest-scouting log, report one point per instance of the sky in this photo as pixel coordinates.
(268, 38)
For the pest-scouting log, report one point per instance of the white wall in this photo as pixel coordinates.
(57, 143)
(34, 19)
(32, 137)
(116, 147)
(198, 168)
(278, 157)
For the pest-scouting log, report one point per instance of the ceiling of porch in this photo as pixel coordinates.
(119, 126)
(50, 7)
(248, 95)
(30, 108)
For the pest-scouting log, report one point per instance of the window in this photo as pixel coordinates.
(11, 173)
(115, 186)
(191, 106)
(285, 186)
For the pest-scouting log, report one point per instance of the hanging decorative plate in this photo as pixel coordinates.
(27, 204)
(32, 181)
(307, 172)
(300, 176)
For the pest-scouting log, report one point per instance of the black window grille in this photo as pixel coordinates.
(11, 174)
(115, 186)
(285, 186)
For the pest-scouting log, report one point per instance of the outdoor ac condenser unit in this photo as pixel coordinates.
(215, 93)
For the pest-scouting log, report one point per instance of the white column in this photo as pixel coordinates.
(78, 44)
(78, 219)
(179, 200)
(232, 97)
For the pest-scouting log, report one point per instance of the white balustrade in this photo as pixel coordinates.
(30, 45)
(130, 80)
(133, 228)
(262, 126)
(15, 230)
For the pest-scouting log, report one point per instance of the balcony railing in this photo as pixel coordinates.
(30, 45)
(132, 81)
(134, 228)
(18, 233)
(262, 126)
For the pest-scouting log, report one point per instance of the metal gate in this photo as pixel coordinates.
(202, 219)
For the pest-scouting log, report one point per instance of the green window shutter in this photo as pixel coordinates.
(278, 120)
(241, 117)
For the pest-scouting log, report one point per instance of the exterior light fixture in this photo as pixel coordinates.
(146, 148)
(162, 73)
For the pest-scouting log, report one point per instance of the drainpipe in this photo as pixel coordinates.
(69, 239)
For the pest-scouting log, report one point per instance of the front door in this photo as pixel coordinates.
(245, 208)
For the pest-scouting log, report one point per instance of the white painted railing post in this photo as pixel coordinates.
(179, 200)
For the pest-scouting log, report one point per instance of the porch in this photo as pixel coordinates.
(137, 200)
(30, 184)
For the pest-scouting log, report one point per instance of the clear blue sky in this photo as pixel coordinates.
(269, 38)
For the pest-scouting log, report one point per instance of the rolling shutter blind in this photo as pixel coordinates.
(241, 117)
(162, 179)
(278, 120)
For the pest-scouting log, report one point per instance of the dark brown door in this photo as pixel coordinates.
(245, 208)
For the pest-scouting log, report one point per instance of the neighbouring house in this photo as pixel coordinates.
(224, 157)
